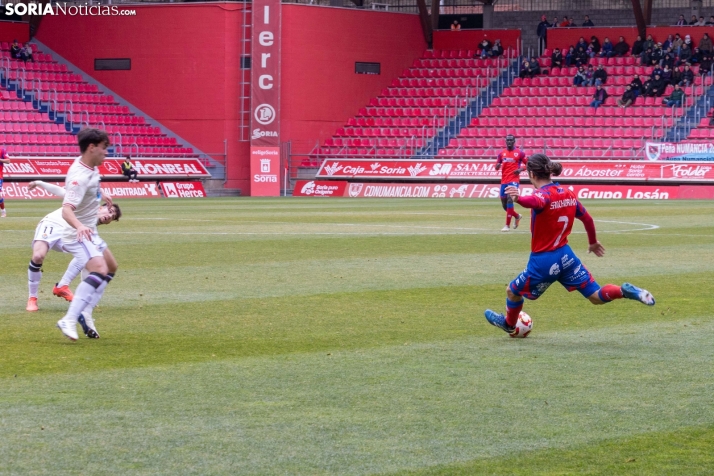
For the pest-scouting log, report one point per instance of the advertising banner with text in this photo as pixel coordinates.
(265, 98)
(56, 168)
(595, 171)
(117, 190)
(330, 188)
(183, 189)
(265, 171)
(679, 150)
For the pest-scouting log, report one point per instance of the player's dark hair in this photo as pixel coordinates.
(89, 136)
(542, 167)
(117, 211)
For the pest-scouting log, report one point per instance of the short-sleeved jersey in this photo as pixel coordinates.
(3, 155)
(511, 160)
(552, 219)
(83, 194)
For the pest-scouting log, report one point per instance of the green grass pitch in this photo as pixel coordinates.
(330, 337)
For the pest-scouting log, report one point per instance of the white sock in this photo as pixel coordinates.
(96, 297)
(34, 275)
(83, 296)
(75, 267)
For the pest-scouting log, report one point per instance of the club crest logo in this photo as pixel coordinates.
(555, 269)
(355, 189)
(653, 150)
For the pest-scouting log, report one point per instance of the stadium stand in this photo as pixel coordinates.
(408, 114)
(547, 112)
(44, 105)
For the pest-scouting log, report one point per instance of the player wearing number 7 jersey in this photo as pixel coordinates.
(553, 210)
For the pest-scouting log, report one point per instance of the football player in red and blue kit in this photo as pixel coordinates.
(553, 210)
(512, 161)
(4, 159)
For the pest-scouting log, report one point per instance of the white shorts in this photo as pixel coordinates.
(87, 249)
(51, 233)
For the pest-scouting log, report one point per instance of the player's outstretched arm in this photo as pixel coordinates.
(53, 189)
(594, 246)
(107, 198)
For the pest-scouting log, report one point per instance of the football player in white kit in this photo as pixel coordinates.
(80, 209)
(48, 236)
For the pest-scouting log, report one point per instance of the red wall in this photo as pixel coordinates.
(185, 65)
(565, 37)
(469, 39)
(12, 30)
(320, 46)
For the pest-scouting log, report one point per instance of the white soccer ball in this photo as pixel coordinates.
(524, 325)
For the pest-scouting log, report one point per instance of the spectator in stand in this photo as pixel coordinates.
(542, 32)
(648, 43)
(705, 45)
(677, 43)
(628, 97)
(566, 22)
(667, 74)
(655, 87)
(599, 97)
(581, 77)
(588, 21)
(535, 64)
(668, 59)
(701, 22)
(26, 53)
(657, 55)
(15, 50)
(570, 56)
(599, 76)
(581, 43)
(555, 24)
(607, 50)
(674, 99)
(637, 46)
(681, 21)
(556, 58)
(637, 86)
(595, 44)
(621, 48)
(581, 57)
(656, 71)
(589, 72)
(705, 66)
(677, 75)
(456, 26)
(485, 47)
(646, 57)
(710, 21)
(693, 20)
(668, 42)
(496, 50)
(696, 57)
(685, 53)
(527, 70)
(128, 170)
(687, 75)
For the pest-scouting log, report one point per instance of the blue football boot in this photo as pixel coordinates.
(630, 291)
(498, 320)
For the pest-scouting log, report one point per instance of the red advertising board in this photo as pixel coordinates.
(265, 74)
(50, 168)
(265, 171)
(117, 190)
(319, 188)
(316, 188)
(590, 171)
(183, 189)
(265, 99)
